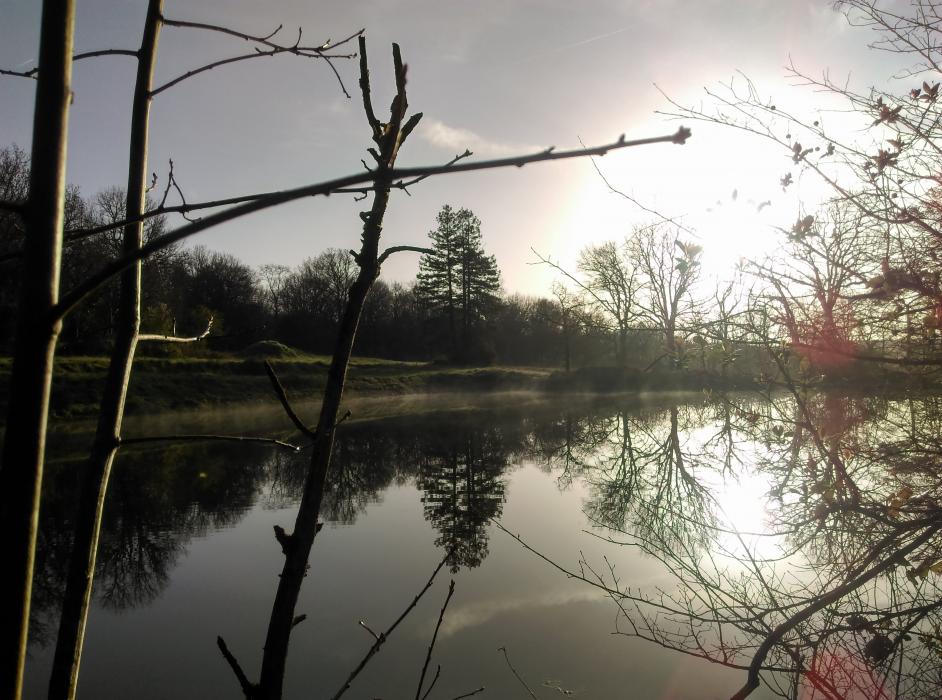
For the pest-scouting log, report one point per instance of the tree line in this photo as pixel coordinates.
(454, 310)
(629, 303)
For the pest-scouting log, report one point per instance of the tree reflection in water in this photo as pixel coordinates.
(460, 477)
(847, 604)
(839, 597)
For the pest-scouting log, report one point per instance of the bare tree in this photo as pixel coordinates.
(667, 268)
(612, 283)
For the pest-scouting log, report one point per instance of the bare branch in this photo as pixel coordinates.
(517, 675)
(33, 72)
(261, 202)
(383, 636)
(403, 248)
(431, 646)
(363, 624)
(375, 126)
(264, 40)
(822, 602)
(634, 201)
(248, 688)
(285, 403)
(468, 695)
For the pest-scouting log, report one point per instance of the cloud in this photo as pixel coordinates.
(456, 139)
(477, 613)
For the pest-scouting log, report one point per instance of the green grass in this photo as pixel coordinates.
(161, 384)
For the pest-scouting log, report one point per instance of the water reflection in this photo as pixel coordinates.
(831, 591)
(847, 605)
(460, 477)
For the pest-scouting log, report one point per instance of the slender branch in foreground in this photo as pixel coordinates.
(438, 672)
(822, 602)
(34, 71)
(468, 695)
(625, 195)
(517, 675)
(264, 40)
(273, 48)
(242, 57)
(383, 636)
(185, 208)
(70, 300)
(285, 403)
(431, 646)
(194, 438)
(248, 688)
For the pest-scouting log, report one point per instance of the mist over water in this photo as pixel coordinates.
(624, 491)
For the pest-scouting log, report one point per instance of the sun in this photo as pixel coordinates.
(733, 231)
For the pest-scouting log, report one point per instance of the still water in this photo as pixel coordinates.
(678, 507)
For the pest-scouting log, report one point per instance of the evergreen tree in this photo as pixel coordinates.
(458, 282)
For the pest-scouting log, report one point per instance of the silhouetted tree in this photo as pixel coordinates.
(458, 281)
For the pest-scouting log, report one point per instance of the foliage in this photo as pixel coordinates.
(458, 283)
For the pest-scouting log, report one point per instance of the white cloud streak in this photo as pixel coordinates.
(456, 139)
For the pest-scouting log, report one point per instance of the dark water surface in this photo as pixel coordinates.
(187, 553)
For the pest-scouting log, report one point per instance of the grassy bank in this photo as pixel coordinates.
(161, 385)
(170, 384)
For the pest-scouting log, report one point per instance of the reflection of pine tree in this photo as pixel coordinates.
(463, 490)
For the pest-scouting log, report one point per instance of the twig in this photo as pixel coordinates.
(517, 675)
(285, 403)
(248, 688)
(438, 671)
(468, 695)
(776, 635)
(365, 626)
(80, 233)
(264, 40)
(365, 91)
(91, 283)
(431, 646)
(194, 438)
(33, 72)
(634, 201)
(381, 639)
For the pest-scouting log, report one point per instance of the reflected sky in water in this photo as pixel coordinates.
(187, 550)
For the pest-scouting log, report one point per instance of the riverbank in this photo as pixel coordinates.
(159, 385)
(165, 385)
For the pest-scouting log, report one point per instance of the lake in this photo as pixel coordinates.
(706, 522)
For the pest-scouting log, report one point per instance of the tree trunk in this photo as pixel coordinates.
(567, 340)
(621, 356)
(94, 487)
(37, 331)
(297, 546)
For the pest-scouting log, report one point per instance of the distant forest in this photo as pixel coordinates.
(455, 311)
(640, 303)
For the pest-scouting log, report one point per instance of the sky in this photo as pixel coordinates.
(499, 77)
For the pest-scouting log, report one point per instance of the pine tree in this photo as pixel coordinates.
(458, 282)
